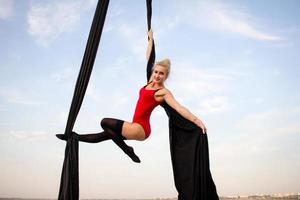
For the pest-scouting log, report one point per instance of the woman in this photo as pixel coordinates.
(151, 95)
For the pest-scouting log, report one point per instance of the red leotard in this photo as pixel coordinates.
(144, 107)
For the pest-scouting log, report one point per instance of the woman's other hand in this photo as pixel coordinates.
(199, 123)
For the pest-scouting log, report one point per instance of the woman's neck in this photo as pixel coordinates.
(153, 85)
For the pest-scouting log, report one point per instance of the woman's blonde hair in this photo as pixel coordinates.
(164, 63)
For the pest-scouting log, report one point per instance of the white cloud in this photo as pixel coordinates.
(259, 100)
(25, 135)
(224, 18)
(47, 21)
(17, 97)
(203, 89)
(6, 9)
(214, 105)
(108, 28)
(291, 129)
(116, 99)
(114, 14)
(273, 123)
(200, 82)
(62, 117)
(259, 136)
(165, 25)
(64, 75)
(134, 39)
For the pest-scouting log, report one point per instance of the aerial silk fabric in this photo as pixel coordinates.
(190, 158)
(69, 183)
(189, 148)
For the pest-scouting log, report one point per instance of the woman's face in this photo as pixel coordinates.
(159, 74)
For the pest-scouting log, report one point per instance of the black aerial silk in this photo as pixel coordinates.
(189, 147)
(69, 182)
(190, 158)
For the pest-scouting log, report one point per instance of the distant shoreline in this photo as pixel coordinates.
(279, 196)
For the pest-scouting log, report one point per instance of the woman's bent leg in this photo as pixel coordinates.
(114, 127)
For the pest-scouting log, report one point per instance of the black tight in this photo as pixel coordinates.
(114, 125)
(112, 130)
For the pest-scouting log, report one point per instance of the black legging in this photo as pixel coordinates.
(112, 128)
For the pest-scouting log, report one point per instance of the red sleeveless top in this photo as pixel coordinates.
(144, 107)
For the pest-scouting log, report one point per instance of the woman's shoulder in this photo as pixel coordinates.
(163, 91)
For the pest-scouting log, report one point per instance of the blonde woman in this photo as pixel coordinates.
(150, 96)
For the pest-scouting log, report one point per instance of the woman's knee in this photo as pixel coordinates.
(112, 124)
(105, 123)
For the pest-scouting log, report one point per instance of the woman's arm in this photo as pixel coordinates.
(168, 97)
(150, 44)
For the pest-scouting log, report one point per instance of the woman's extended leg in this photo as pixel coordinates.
(90, 138)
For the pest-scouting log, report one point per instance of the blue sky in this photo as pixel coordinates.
(235, 64)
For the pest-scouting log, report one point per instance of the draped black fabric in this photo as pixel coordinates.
(190, 158)
(189, 149)
(69, 183)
